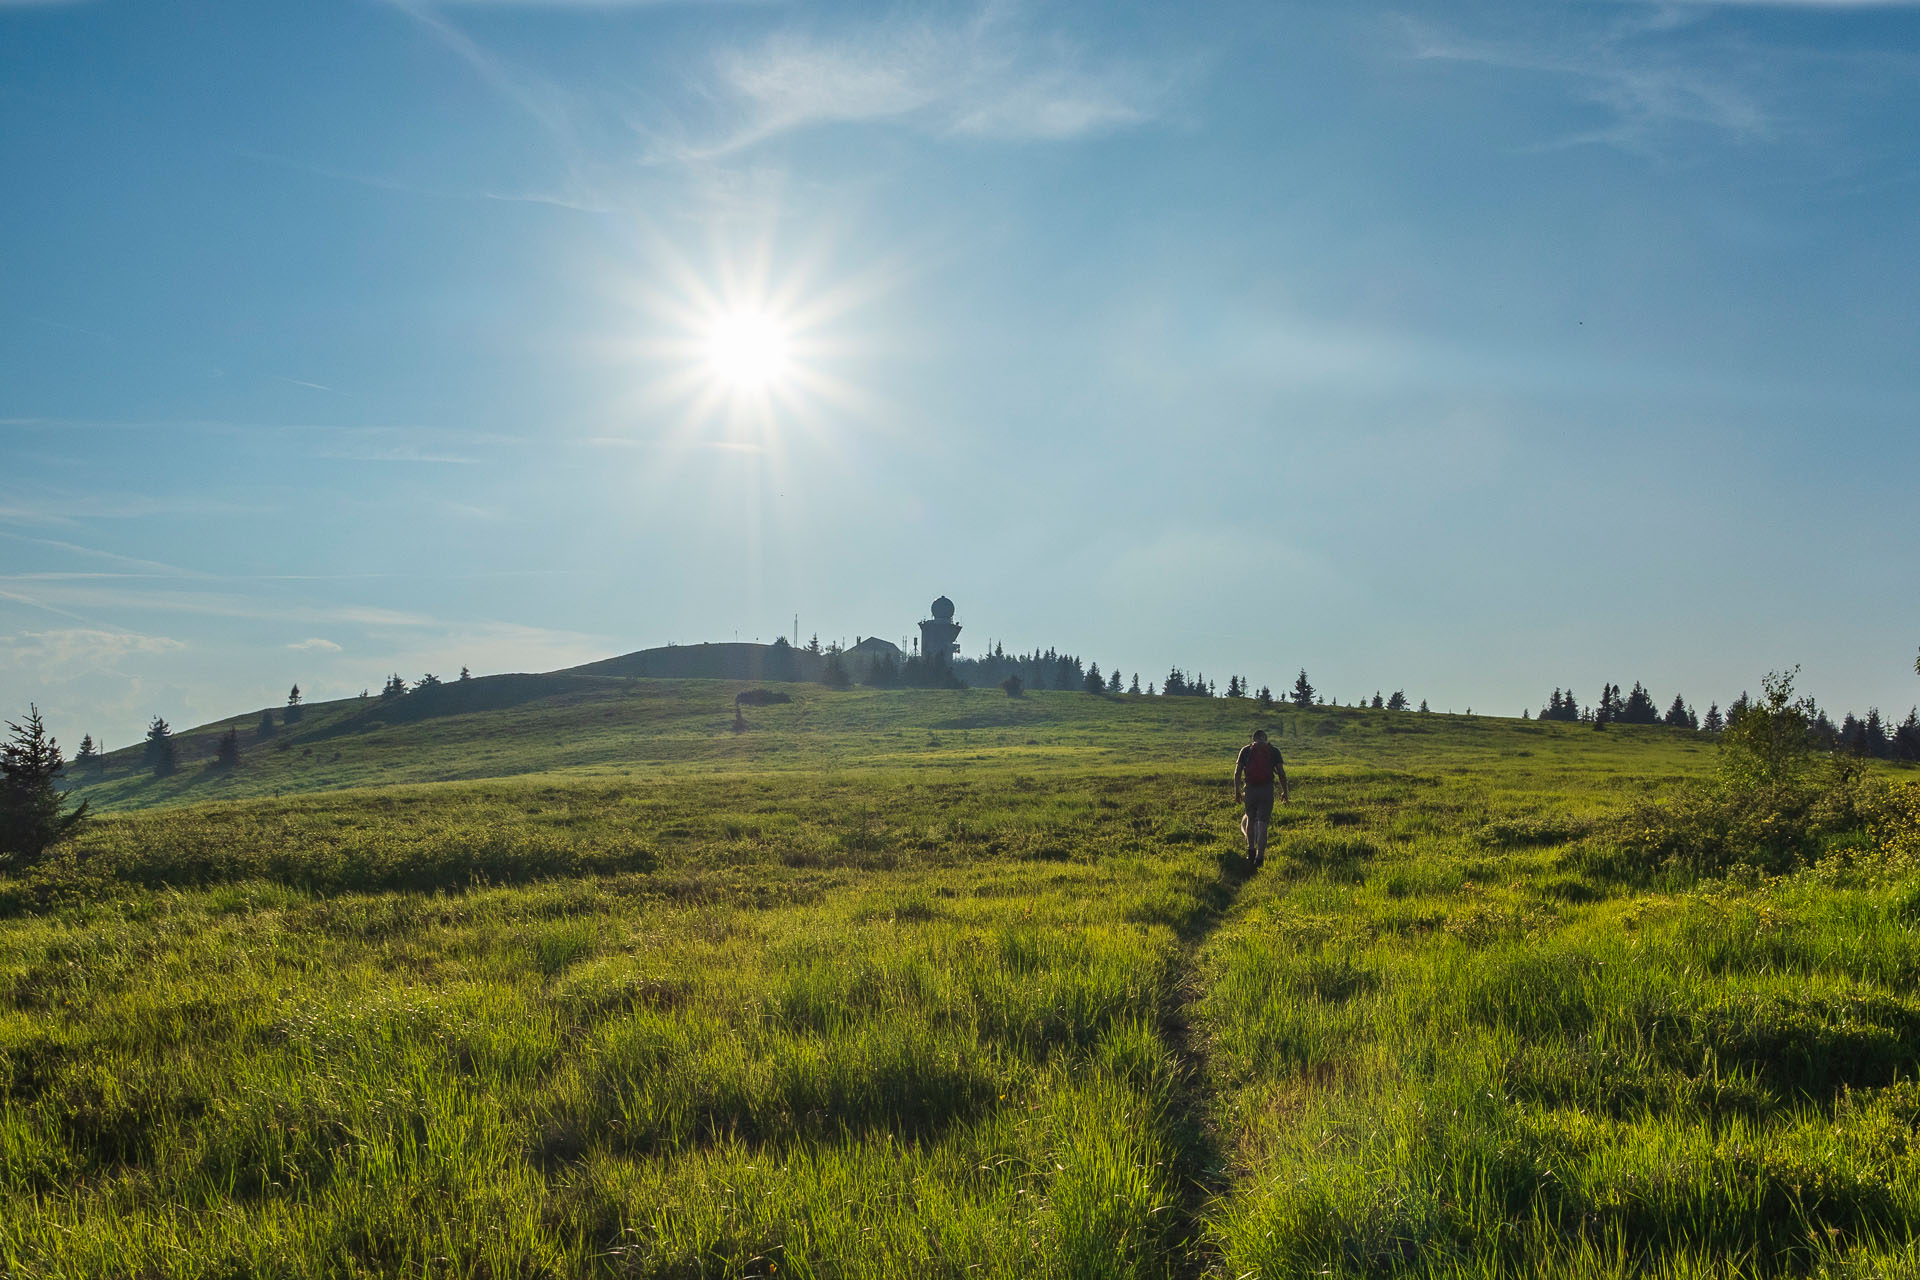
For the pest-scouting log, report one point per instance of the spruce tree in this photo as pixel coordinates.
(1677, 714)
(1265, 698)
(1094, 682)
(88, 756)
(1115, 685)
(1875, 733)
(33, 810)
(1135, 686)
(1378, 702)
(834, 673)
(1233, 686)
(1302, 691)
(158, 753)
(294, 710)
(465, 674)
(1906, 739)
(1639, 708)
(1423, 705)
(1398, 702)
(1713, 723)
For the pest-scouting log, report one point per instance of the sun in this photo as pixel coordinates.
(748, 350)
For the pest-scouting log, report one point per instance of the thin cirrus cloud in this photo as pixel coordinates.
(1631, 70)
(986, 77)
(314, 644)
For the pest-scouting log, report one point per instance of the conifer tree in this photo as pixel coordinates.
(88, 756)
(226, 752)
(395, 687)
(1265, 698)
(1906, 739)
(1676, 717)
(1423, 706)
(33, 814)
(1233, 686)
(427, 681)
(1135, 686)
(465, 674)
(158, 752)
(1302, 691)
(834, 673)
(294, 711)
(1398, 702)
(1713, 723)
(1114, 685)
(1638, 708)
(264, 729)
(1875, 733)
(1378, 702)
(1094, 682)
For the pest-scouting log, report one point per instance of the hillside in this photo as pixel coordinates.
(594, 724)
(940, 983)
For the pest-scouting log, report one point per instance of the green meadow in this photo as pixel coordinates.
(550, 976)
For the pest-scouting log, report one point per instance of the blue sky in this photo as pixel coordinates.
(1470, 349)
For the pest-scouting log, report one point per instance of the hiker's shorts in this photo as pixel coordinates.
(1260, 803)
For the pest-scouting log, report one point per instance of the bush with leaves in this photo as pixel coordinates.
(33, 811)
(1776, 801)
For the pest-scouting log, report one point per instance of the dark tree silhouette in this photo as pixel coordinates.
(1114, 685)
(1302, 691)
(1094, 681)
(265, 728)
(88, 756)
(226, 752)
(1713, 723)
(1639, 707)
(294, 710)
(465, 674)
(1378, 702)
(1906, 739)
(1398, 702)
(33, 816)
(1264, 699)
(158, 753)
(1014, 686)
(395, 687)
(1135, 686)
(1423, 706)
(834, 673)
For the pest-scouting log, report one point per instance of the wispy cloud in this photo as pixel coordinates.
(314, 644)
(76, 651)
(989, 75)
(1631, 67)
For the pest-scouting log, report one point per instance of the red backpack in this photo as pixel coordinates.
(1259, 764)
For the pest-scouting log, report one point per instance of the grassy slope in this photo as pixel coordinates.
(912, 983)
(504, 726)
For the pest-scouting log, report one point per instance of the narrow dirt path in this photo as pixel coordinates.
(1190, 1128)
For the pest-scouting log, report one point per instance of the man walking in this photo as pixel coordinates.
(1256, 772)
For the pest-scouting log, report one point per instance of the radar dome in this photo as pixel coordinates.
(943, 609)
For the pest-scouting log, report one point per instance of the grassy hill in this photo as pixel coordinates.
(586, 726)
(561, 976)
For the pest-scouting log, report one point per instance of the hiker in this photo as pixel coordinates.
(1256, 772)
